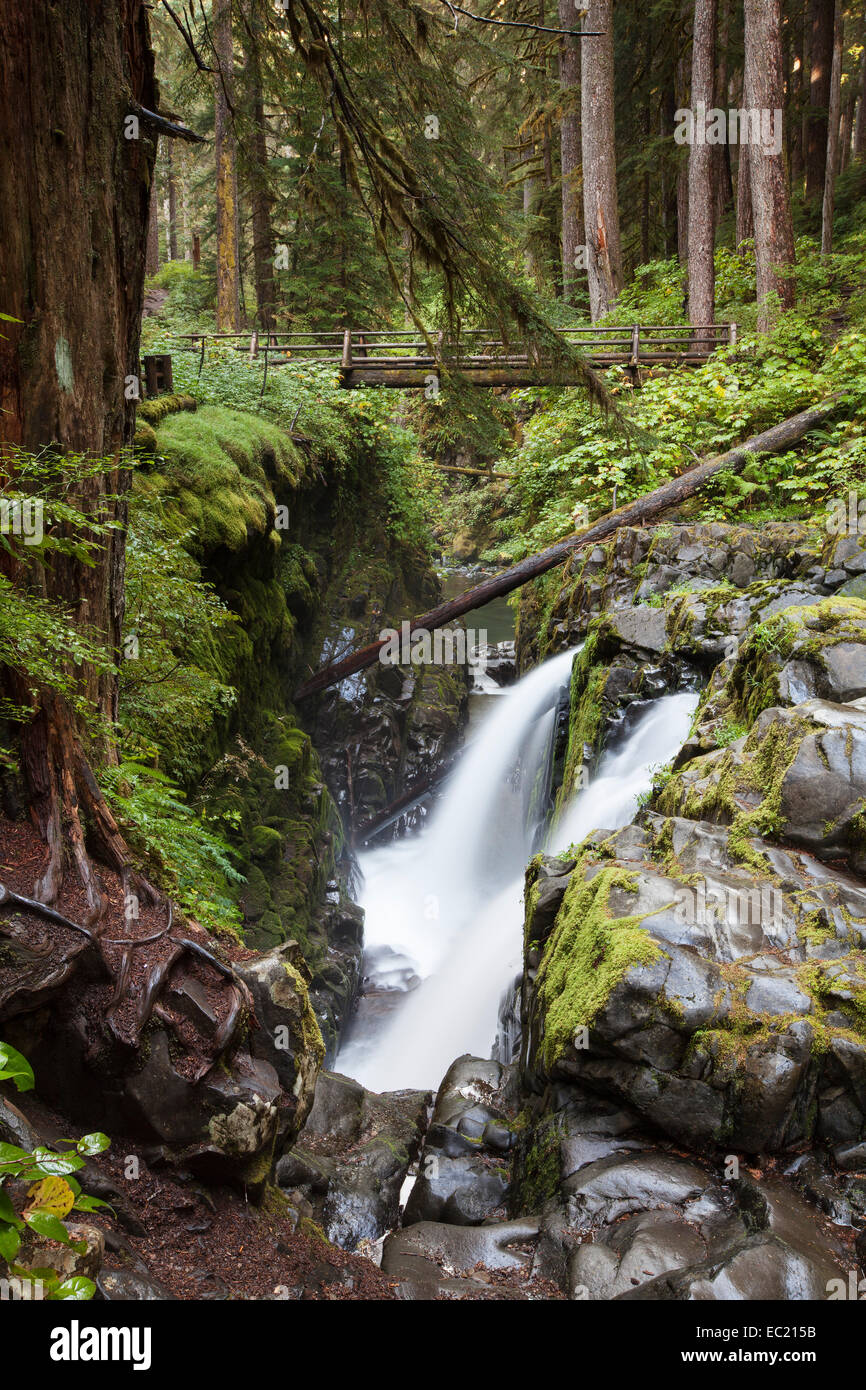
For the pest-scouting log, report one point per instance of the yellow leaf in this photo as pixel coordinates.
(53, 1195)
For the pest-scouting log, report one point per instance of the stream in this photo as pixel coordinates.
(444, 905)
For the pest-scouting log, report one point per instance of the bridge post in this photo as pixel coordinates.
(732, 333)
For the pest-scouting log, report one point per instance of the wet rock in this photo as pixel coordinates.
(353, 1156)
(288, 1038)
(428, 1259)
(710, 1032)
(463, 1178)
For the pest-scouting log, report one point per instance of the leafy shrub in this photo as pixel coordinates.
(53, 1194)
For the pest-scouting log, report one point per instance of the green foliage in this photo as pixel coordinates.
(53, 1193)
(169, 694)
(569, 454)
(39, 642)
(191, 861)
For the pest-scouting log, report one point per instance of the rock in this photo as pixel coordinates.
(353, 1157)
(427, 1260)
(697, 1027)
(462, 1176)
(288, 1039)
(131, 1286)
(38, 1252)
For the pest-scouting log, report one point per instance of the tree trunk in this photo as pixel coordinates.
(745, 219)
(723, 187)
(74, 203)
(598, 141)
(646, 508)
(796, 96)
(771, 203)
(260, 194)
(573, 238)
(172, 203)
(833, 132)
(152, 263)
(702, 279)
(821, 18)
(228, 299)
(860, 127)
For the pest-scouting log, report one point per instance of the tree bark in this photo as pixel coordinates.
(152, 262)
(171, 182)
(228, 273)
(821, 20)
(598, 142)
(745, 219)
(702, 279)
(260, 194)
(74, 201)
(860, 127)
(573, 237)
(780, 437)
(833, 132)
(771, 203)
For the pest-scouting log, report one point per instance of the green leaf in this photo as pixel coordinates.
(44, 1224)
(8, 1212)
(78, 1288)
(10, 1243)
(95, 1143)
(51, 1164)
(88, 1203)
(14, 1067)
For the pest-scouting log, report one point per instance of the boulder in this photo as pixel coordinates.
(353, 1156)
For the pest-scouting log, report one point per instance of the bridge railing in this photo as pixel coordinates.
(381, 350)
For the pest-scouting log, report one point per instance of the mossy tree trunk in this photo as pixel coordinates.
(74, 201)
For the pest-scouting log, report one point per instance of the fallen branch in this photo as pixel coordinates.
(634, 514)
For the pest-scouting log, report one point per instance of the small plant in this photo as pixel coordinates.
(53, 1193)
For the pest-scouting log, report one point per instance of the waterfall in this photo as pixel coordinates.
(444, 908)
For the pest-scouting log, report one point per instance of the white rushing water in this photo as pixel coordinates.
(444, 908)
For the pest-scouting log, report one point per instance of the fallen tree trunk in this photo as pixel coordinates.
(633, 514)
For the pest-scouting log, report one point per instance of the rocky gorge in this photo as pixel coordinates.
(674, 1104)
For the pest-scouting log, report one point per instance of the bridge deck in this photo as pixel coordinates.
(399, 358)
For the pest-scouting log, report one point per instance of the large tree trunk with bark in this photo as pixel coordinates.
(860, 126)
(573, 267)
(74, 201)
(771, 203)
(257, 176)
(171, 182)
(598, 142)
(821, 22)
(152, 255)
(228, 273)
(702, 279)
(829, 201)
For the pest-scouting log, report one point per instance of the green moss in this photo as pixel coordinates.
(160, 407)
(537, 1169)
(588, 953)
(766, 759)
(311, 1034)
(224, 466)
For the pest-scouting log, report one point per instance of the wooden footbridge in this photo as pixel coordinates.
(403, 359)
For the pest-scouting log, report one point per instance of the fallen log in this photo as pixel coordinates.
(635, 513)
